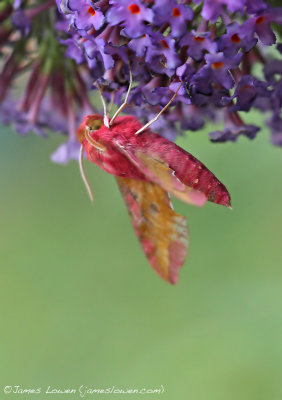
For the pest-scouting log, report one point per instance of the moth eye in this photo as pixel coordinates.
(95, 124)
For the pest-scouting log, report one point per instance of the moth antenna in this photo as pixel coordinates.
(106, 118)
(125, 100)
(83, 174)
(160, 113)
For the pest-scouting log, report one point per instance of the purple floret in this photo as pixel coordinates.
(231, 133)
(142, 43)
(236, 38)
(275, 124)
(220, 67)
(261, 25)
(95, 51)
(66, 152)
(198, 43)
(175, 14)
(21, 21)
(245, 94)
(131, 15)
(85, 16)
(213, 8)
(73, 50)
(162, 56)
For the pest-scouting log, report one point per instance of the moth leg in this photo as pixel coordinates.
(160, 113)
(83, 175)
(125, 100)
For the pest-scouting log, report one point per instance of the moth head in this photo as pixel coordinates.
(89, 124)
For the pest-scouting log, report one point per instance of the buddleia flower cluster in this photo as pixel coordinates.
(225, 53)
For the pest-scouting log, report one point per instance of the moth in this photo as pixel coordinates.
(148, 168)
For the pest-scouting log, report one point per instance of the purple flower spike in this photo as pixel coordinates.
(220, 66)
(131, 14)
(177, 15)
(213, 50)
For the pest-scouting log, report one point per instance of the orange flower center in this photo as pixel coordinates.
(198, 39)
(164, 43)
(235, 38)
(134, 9)
(259, 20)
(91, 11)
(176, 12)
(217, 65)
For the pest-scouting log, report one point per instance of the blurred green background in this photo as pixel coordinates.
(81, 306)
